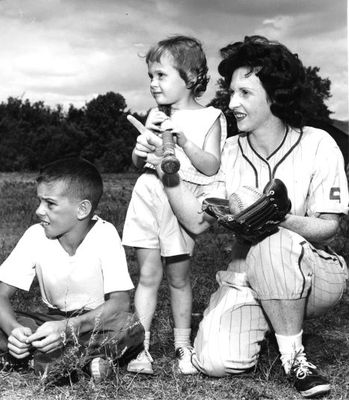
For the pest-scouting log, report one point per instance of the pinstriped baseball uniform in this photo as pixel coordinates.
(282, 266)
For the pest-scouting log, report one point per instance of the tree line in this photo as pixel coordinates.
(32, 133)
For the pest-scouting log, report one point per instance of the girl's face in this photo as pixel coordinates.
(249, 101)
(166, 85)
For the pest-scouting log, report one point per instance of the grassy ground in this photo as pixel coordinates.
(326, 338)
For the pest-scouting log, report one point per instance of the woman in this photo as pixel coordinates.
(291, 274)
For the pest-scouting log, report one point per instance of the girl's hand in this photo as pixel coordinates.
(154, 120)
(180, 137)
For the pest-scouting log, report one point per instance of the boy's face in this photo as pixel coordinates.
(57, 210)
(166, 85)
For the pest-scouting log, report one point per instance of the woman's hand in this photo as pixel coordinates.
(149, 145)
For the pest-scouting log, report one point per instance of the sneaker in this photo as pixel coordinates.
(185, 366)
(100, 369)
(307, 380)
(142, 364)
(9, 363)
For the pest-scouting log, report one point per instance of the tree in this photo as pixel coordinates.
(320, 89)
(221, 101)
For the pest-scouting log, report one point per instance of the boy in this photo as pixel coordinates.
(82, 272)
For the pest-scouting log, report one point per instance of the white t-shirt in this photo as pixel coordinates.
(69, 282)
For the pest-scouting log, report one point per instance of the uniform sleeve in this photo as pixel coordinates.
(18, 269)
(328, 192)
(113, 260)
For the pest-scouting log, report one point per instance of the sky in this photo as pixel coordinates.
(70, 51)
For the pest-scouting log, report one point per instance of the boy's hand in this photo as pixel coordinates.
(49, 336)
(17, 342)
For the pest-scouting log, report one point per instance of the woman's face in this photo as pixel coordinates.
(249, 101)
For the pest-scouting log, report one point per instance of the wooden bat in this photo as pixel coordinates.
(170, 163)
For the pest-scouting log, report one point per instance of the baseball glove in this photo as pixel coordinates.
(258, 220)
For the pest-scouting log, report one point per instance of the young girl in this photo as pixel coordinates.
(178, 75)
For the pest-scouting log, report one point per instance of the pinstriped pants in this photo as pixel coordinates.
(283, 266)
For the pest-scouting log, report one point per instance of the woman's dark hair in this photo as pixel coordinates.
(188, 58)
(281, 73)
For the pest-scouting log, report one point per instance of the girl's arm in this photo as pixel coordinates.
(208, 159)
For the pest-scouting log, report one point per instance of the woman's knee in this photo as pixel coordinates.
(215, 366)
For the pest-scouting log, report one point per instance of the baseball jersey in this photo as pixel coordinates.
(309, 162)
(283, 265)
(69, 282)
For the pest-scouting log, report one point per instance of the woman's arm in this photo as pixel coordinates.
(316, 230)
(186, 207)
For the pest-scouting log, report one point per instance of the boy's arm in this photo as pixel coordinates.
(206, 160)
(17, 333)
(115, 302)
(51, 335)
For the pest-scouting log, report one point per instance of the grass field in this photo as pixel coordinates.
(326, 339)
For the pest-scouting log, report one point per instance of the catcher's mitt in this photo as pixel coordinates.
(258, 220)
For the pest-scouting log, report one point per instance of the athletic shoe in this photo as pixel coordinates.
(307, 380)
(142, 364)
(9, 363)
(185, 366)
(100, 369)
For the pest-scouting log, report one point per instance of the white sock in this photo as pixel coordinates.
(146, 340)
(289, 347)
(181, 337)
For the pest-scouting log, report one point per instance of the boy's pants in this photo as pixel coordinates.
(120, 338)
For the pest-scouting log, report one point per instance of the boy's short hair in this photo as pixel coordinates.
(82, 178)
(188, 57)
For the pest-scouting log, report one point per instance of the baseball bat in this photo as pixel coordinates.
(170, 163)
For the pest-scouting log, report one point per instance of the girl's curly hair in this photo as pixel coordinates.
(188, 57)
(281, 73)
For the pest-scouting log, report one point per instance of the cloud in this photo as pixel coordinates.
(69, 51)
